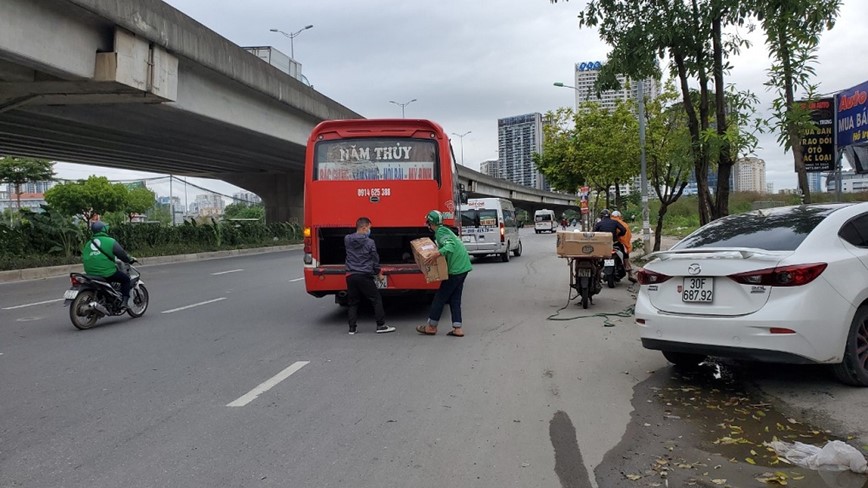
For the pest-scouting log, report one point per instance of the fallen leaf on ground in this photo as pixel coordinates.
(633, 477)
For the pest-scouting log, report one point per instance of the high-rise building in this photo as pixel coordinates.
(749, 174)
(491, 168)
(209, 205)
(517, 139)
(815, 182)
(586, 77)
(246, 197)
(850, 183)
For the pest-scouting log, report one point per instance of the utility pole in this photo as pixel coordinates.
(646, 221)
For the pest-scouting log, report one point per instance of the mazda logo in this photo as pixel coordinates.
(694, 269)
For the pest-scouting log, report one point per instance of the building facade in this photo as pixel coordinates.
(749, 175)
(246, 197)
(586, 74)
(815, 182)
(850, 183)
(518, 138)
(491, 168)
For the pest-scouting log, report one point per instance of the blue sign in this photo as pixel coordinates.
(853, 116)
(589, 66)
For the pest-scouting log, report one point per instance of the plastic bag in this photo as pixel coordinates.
(835, 455)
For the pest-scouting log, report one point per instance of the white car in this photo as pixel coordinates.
(787, 284)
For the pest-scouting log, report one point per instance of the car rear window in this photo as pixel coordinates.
(772, 229)
(479, 218)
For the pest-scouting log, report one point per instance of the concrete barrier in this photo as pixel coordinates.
(54, 271)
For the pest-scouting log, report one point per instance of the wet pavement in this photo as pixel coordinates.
(708, 427)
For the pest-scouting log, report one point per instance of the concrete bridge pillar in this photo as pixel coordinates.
(281, 193)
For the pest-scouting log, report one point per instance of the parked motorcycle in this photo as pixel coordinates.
(92, 297)
(613, 268)
(585, 277)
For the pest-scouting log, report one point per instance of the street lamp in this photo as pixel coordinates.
(402, 105)
(461, 136)
(561, 85)
(291, 37)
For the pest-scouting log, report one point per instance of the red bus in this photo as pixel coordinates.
(393, 171)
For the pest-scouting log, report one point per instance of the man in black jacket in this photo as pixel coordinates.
(363, 267)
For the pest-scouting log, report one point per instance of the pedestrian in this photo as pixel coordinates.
(627, 242)
(458, 265)
(363, 267)
(99, 256)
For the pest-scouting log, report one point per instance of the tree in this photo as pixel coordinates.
(17, 171)
(139, 201)
(86, 198)
(691, 35)
(244, 211)
(793, 29)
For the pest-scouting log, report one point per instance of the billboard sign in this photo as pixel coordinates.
(818, 143)
(853, 116)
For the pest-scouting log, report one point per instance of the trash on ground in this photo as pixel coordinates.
(835, 455)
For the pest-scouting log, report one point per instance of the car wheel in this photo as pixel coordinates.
(854, 369)
(683, 359)
(505, 255)
(517, 251)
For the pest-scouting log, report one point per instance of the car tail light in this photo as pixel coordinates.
(795, 275)
(502, 233)
(646, 277)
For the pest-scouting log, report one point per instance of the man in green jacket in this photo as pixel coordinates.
(458, 265)
(98, 256)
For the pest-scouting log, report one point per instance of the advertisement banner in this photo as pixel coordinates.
(818, 144)
(853, 116)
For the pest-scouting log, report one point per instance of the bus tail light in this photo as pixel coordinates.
(502, 233)
(308, 257)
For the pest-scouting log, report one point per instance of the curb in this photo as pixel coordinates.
(29, 274)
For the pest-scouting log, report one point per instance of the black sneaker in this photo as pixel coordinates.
(382, 329)
(352, 330)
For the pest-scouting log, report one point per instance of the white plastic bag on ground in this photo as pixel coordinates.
(835, 455)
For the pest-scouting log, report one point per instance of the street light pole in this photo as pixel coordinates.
(461, 136)
(292, 37)
(561, 85)
(646, 221)
(402, 105)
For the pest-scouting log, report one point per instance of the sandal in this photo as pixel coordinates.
(453, 334)
(426, 330)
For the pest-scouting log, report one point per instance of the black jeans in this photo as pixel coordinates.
(359, 286)
(123, 279)
(449, 292)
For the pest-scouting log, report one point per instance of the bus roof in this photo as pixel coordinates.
(361, 127)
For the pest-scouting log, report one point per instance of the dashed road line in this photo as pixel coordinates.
(227, 272)
(33, 304)
(297, 279)
(268, 384)
(194, 305)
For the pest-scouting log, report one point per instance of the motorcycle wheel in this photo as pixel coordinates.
(610, 280)
(586, 296)
(140, 301)
(82, 316)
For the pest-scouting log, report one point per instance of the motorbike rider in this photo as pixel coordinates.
(627, 242)
(98, 256)
(608, 224)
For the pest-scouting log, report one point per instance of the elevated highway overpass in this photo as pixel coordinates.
(137, 84)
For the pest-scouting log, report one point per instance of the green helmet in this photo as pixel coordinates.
(434, 217)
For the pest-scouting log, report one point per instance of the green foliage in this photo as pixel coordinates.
(139, 201)
(86, 198)
(51, 232)
(19, 170)
(244, 211)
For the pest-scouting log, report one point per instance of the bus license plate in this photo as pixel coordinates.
(698, 290)
(381, 283)
(70, 294)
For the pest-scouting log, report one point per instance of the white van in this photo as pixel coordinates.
(544, 221)
(489, 226)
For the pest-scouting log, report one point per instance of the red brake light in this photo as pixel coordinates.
(795, 275)
(502, 232)
(646, 277)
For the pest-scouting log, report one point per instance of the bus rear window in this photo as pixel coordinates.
(375, 159)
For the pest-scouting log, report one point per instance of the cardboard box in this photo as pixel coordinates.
(584, 244)
(422, 248)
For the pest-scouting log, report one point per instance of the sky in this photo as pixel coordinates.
(469, 63)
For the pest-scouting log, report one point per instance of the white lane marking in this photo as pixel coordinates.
(194, 305)
(226, 272)
(297, 279)
(33, 304)
(268, 384)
